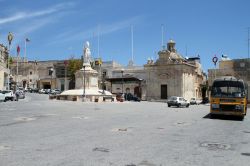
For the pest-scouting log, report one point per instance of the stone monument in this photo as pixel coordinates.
(86, 81)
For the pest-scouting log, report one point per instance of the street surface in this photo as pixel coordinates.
(36, 131)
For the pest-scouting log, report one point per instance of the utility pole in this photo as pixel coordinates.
(162, 36)
(248, 42)
(10, 38)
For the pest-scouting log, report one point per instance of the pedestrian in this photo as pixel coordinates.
(17, 95)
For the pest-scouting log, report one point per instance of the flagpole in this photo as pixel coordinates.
(24, 49)
(17, 68)
(132, 43)
(162, 36)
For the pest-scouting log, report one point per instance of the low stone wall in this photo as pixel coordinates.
(89, 98)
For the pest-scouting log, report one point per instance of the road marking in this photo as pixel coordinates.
(215, 146)
(4, 147)
(25, 119)
(80, 117)
(101, 149)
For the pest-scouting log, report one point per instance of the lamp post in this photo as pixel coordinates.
(103, 83)
(51, 73)
(84, 76)
(122, 71)
(10, 38)
(65, 78)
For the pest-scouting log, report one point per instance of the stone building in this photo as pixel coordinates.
(239, 68)
(173, 75)
(37, 74)
(169, 75)
(4, 71)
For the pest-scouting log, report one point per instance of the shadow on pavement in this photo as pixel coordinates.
(223, 117)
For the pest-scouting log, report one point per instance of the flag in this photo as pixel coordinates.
(27, 40)
(18, 50)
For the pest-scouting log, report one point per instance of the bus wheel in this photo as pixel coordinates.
(211, 116)
(241, 118)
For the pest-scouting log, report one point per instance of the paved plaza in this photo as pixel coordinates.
(37, 131)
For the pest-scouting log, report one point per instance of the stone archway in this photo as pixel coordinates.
(137, 91)
(25, 83)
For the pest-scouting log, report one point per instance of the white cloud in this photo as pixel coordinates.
(104, 29)
(24, 15)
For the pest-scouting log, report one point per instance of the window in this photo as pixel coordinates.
(242, 64)
(30, 80)
(30, 72)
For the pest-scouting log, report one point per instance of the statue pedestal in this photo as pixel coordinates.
(91, 78)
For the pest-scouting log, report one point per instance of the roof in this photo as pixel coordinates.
(227, 78)
(114, 79)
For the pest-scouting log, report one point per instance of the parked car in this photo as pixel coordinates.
(55, 91)
(9, 95)
(177, 101)
(47, 91)
(120, 97)
(41, 91)
(2, 96)
(130, 97)
(195, 101)
(33, 90)
(20, 94)
(205, 100)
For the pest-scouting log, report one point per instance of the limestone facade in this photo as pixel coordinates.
(169, 75)
(3, 67)
(239, 68)
(173, 75)
(36, 74)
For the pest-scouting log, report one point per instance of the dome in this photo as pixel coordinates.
(171, 41)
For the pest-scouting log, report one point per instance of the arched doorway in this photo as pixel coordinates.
(24, 83)
(137, 91)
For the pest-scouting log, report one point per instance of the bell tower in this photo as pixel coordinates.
(171, 46)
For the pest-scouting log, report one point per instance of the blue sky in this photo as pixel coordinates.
(59, 28)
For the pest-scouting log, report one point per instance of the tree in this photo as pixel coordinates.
(73, 66)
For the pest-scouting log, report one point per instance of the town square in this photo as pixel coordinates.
(124, 83)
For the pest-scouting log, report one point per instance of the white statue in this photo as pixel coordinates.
(87, 54)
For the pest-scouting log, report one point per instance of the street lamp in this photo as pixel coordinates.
(65, 73)
(103, 81)
(10, 38)
(84, 76)
(51, 73)
(122, 71)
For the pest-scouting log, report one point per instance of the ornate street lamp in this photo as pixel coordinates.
(10, 38)
(122, 71)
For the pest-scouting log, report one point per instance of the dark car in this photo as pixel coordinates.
(205, 100)
(130, 97)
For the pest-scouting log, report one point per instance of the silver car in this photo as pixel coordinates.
(177, 101)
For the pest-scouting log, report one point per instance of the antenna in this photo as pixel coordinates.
(98, 41)
(162, 35)
(132, 43)
(248, 42)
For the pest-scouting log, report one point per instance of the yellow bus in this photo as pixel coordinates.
(228, 97)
